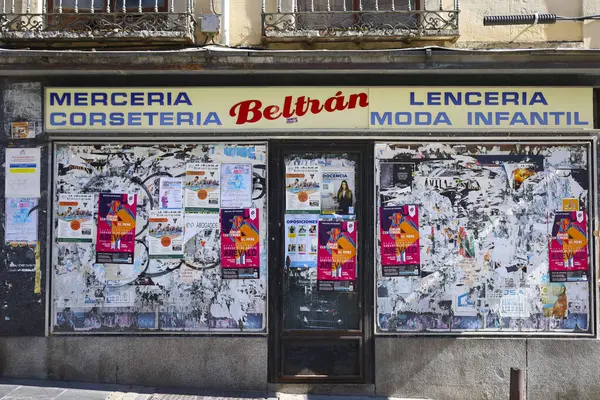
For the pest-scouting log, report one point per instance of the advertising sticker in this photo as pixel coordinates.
(115, 239)
(337, 255)
(303, 188)
(202, 186)
(240, 243)
(301, 240)
(165, 234)
(568, 249)
(399, 236)
(75, 217)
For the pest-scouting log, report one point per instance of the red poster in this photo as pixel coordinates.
(240, 243)
(337, 255)
(115, 239)
(568, 249)
(399, 236)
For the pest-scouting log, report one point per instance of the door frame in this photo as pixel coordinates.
(365, 278)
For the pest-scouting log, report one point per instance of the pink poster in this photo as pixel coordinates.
(399, 237)
(240, 243)
(336, 268)
(568, 249)
(115, 239)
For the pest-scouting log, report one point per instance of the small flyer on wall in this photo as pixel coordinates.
(399, 238)
(202, 186)
(303, 188)
(202, 239)
(301, 240)
(22, 170)
(115, 238)
(171, 193)
(396, 179)
(75, 217)
(568, 249)
(236, 185)
(336, 269)
(165, 234)
(21, 220)
(22, 130)
(337, 191)
(240, 243)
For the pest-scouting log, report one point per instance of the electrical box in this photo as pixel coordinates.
(210, 23)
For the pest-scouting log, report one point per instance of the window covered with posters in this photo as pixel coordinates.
(486, 236)
(159, 237)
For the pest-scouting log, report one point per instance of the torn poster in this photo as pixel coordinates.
(75, 218)
(337, 191)
(240, 243)
(115, 239)
(399, 238)
(171, 193)
(568, 248)
(336, 269)
(202, 186)
(21, 220)
(396, 178)
(303, 188)
(236, 185)
(301, 241)
(165, 234)
(202, 239)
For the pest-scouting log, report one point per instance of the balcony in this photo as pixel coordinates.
(107, 22)
(359, 20)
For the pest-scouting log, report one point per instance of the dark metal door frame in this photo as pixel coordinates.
(365, 279)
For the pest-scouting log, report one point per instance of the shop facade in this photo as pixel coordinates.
(398, 240)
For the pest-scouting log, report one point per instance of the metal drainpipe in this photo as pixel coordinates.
(225, 22)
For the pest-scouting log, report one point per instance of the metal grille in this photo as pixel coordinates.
(351, 19)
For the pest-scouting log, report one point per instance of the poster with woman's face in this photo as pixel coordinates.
(337, 191)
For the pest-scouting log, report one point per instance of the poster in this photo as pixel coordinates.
(337, 191)
(202, 186)
(399, 238)
(165, 234)
(240, 243)
(202, 239)
(336, 268)
(170, 193)
(396, 178)
(568, 249)
(301, 240)
(21, 220)
(236, 185)
(303, 188)
(22, 170)
(22, 130)
(115, 239)
(75, 217)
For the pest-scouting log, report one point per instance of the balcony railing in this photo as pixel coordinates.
(351, 20)
(121, 22)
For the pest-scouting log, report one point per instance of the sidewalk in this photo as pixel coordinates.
(25, 389)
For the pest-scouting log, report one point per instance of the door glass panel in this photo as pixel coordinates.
(321, 235)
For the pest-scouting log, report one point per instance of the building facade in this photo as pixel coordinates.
(369, 196)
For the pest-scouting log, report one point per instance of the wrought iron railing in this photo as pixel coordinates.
(315, 20)
(96, 20)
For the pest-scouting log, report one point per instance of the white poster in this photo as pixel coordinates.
(301, 240)
(202, 186)
(22, 170)
(21, 221)
(202, 244)
(337, 191)
(302, 188)
(165, 234)
(75, 217)
(171, 193)
(236, 185)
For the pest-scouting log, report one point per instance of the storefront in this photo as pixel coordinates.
(319, 227)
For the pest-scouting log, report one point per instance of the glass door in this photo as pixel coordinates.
(321, 263)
